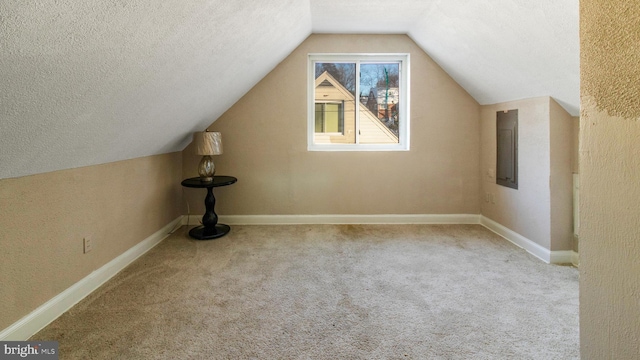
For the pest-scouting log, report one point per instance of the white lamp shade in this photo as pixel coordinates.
(207, 143)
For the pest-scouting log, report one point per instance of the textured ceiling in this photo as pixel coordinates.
(498, 50)
(84, 83)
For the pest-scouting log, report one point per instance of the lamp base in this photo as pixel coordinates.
(206, 169)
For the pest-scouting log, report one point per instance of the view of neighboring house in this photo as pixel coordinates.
(384, 103)
(335, 117)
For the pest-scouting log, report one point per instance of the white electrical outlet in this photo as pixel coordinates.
(88, 244)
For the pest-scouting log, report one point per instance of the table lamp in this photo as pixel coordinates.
(206, 144)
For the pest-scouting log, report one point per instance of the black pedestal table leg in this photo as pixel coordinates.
(210, 229)
(210, 218)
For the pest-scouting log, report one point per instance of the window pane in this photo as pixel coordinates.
(335, 87)
(379, 99)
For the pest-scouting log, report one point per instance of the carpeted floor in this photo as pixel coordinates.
(329, 292)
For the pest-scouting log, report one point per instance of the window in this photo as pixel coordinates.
(507, 148)
(358, 102)
(329, 118)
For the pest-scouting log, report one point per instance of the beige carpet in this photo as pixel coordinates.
(329, 292)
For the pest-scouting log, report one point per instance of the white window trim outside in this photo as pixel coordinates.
(403, 123)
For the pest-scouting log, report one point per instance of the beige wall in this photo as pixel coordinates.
(525, 210)
(265, 144)
(610, 179)
(575, 168)
(575, 134)
(541, 208)
(44, 217)
(561, 177)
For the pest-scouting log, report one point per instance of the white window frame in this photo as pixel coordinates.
(403, 106)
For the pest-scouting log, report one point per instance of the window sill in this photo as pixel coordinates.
(357, 147)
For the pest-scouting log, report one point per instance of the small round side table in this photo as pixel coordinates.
(210, 228)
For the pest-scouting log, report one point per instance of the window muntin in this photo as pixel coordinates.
(377, 121)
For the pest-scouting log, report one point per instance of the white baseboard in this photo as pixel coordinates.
(575, 259)
(539, 251)
(52, 309)
(562, 257)
(349, 219)
(530, 246)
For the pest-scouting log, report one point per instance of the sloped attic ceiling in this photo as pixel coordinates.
(498, 50)
(86, 83)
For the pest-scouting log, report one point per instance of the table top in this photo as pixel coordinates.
(221, 180)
